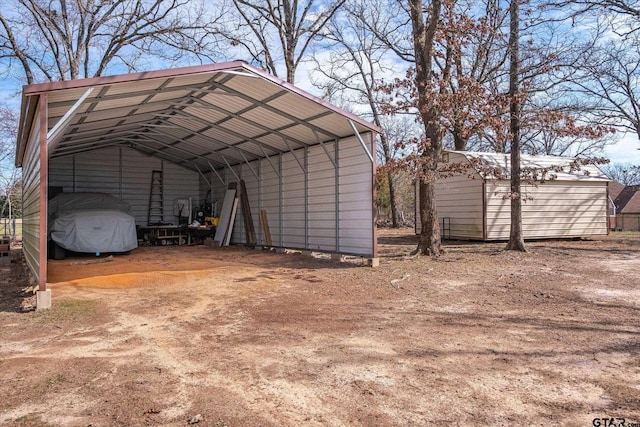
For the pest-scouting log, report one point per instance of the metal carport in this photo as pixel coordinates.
(309, 164)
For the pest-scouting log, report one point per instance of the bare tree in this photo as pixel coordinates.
(9, 176)
(356, 64)
(609, 74)
(61, 40)
(624, 15)
(553, 143)
(611, 79)
(624, 173)
(274, 32)
(8, 131)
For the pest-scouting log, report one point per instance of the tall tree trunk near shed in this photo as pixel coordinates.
(429, 242)
(516, 239)
(424, 36)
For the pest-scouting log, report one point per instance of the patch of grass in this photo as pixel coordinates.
(58, 379)
(68, 310)
(30, 420)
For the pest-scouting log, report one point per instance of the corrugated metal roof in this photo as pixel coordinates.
(498, 166)
(194, 116)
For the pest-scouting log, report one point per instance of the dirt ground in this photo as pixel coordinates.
(174, 336)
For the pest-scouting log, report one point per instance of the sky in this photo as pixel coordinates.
(626, 150)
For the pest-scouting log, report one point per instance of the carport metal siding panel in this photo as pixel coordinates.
(253, 193)
(322, 200)
(136, 182)
(61, 173)
(34, 196)
(98, 171)
(178, 183)
(238, 235)
(44, 184)
(126, 174)
(309, 214)
(356, 211)
(293, 201)
(270, 195)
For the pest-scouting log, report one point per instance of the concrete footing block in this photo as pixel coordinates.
(337, 257)
(43, 299)
(374, 262)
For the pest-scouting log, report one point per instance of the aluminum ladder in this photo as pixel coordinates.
(156, 209)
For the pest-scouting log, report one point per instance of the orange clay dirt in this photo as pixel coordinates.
(184, 335)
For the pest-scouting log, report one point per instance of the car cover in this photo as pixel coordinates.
(92, 222)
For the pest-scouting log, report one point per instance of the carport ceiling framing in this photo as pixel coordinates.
(202, 118)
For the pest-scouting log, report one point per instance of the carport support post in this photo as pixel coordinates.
(374, 261)
(43, 295)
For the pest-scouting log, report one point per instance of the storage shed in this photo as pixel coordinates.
(307, 164)
(474, 204)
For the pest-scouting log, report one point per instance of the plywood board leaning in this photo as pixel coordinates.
(225, 217)
(234, 208)
(246, 215)
(265, 227)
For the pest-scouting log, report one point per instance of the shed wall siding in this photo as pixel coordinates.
(126, 174)
(459, 198)
(553, 209)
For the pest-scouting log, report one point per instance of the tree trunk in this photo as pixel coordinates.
(516, 239)
(423, 42)
(392, 201)
(459, 142)
(429, 239)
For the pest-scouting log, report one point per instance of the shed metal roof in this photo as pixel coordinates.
(200, 117)
(498, 166)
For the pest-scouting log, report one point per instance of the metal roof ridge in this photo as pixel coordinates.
(38, 88)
